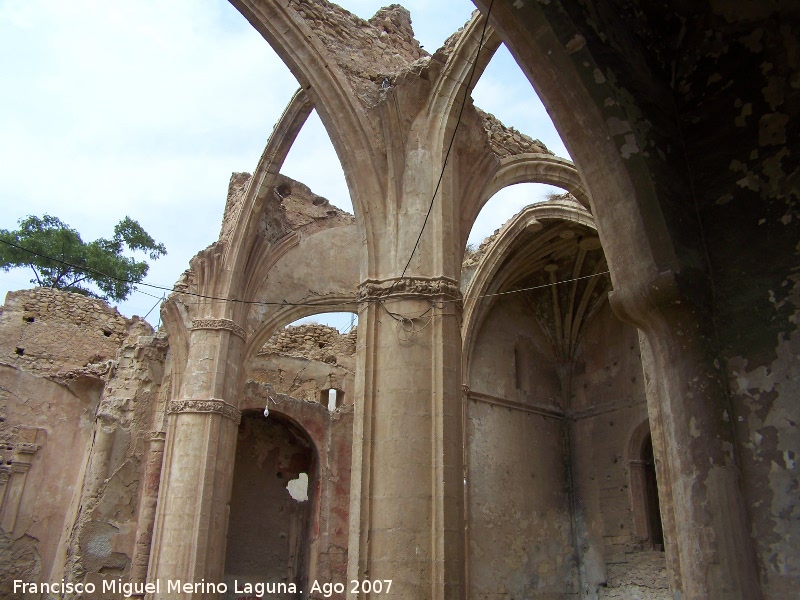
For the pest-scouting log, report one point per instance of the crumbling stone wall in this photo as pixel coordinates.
(520, 532)
(317, 342)
(103, 539)
(291, 206)
(386, 43)
(305, 361)
(50, 332)
(577, 404)
(237, 186)
(49, 396)
(572, 424)
(642, 575)
(507, 141)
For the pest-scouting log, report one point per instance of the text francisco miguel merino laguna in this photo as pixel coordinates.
(117, 587)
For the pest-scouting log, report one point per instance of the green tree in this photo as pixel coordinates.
(60, 259)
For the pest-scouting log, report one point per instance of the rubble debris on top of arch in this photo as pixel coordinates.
(367, 51)
(312, 341)
(292, 206)
(507, 141)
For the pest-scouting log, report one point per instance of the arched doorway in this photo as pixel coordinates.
(272, 503)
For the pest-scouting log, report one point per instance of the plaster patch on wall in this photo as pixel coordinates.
(100, 546)
(788, 459)
(598, 76)
(617, 126)
(693, 428)
(630, 147)
(298, 488)
(772, 129)
(575, 44)
(767, 395)
(741, 120)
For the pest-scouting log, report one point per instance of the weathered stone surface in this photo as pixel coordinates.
(50, 395)
(385, 43)
(317, 342)
(524, 405)
(35, 325)
(507, 141)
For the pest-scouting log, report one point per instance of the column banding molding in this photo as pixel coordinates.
(409, 287)
(220, 324)
(211, 406)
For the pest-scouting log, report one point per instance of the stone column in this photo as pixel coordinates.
(147, 508)
(197, 474)
(407, 509)
(687, 395)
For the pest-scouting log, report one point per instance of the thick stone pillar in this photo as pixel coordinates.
(694, 438)
(407, 509)
(194, 493)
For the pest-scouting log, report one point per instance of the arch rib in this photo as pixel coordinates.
(269, 165)
(449, 87)
(340, 111)
(290, 314)
(537, 168)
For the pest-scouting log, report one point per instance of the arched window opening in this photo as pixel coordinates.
(644, 490)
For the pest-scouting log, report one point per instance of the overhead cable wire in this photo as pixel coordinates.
(159, 301)
(342, 304)
(170, 289)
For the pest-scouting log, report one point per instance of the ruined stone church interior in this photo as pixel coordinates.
(599, 401)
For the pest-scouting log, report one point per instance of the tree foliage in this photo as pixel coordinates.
(60, 259)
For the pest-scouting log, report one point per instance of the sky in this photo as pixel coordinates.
(144, 108)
